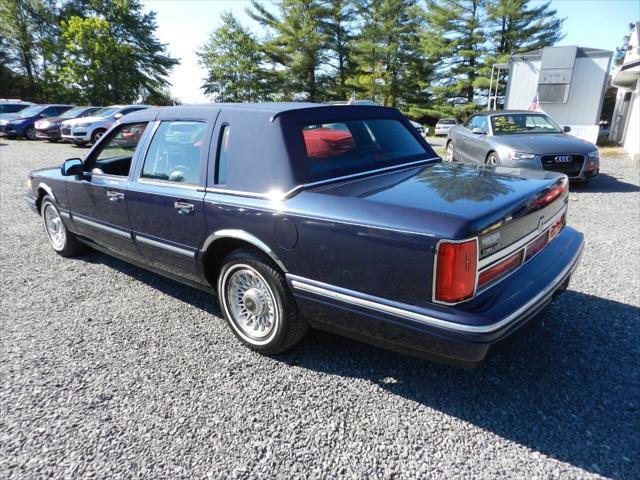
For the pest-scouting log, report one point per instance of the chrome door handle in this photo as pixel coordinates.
(115, 196)
(184, 207)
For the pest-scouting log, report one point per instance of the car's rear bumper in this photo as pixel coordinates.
(464, 334)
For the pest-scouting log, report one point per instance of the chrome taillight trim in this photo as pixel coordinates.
(435, 268)
(486, 263)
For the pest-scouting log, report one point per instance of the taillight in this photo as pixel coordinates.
(456, 266)
(537, 245)
(557, 227)
(553, 193)
(499, 269)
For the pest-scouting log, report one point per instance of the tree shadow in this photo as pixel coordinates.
(604, 183)
(568, 388)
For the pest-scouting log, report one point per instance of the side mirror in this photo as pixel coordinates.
(117, 116)
(478, 131)
(71, 167)
(566, 129)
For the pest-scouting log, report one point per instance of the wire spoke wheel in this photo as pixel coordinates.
(251, 304)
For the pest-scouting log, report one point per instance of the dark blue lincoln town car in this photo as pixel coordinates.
(336, 217)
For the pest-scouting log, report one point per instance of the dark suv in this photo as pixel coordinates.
(22, 124)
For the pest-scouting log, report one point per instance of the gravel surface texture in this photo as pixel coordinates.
(108, 371)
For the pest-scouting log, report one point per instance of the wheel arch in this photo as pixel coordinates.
(222, 242)
(42, 190)
(491, 150)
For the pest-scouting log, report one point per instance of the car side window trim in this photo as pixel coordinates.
(93, 153)
(139, 169)
(225, 129)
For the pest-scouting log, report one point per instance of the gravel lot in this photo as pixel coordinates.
(108, 371)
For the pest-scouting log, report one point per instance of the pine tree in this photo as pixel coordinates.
(234, 62)
(338, 30)
(391, 66)
(297, 44)
(518, 26)
(455, 42)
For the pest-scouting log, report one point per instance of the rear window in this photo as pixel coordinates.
(353, 146)
(447, 121)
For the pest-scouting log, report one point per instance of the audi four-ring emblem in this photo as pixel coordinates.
(563, 158)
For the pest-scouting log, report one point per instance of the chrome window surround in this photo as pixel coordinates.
(481, 265)
(290, 193)
(404, 311)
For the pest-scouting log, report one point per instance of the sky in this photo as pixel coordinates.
(185, 25)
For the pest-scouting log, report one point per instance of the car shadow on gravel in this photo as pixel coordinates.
(567, 388)
(604, 183)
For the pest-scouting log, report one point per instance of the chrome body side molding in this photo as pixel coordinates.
(165, 246)
(99, 226)
(247, 237)
(405, 311)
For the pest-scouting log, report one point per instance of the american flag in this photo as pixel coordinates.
(535, 103)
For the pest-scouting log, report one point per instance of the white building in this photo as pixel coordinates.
(569, 82)
(625, 125)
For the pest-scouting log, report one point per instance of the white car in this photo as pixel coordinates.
(444, 125)
(89, 129)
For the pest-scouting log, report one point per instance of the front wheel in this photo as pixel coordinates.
(30, 133)
(492, 159)
(62, 240)
(97, 135)
(257, 303)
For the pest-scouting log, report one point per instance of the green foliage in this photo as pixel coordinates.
(235, 64)
(455, 41)
(338, 28)
(81, 50)
(391, 66)
(297, 46)
(518, 26)
(113, 55)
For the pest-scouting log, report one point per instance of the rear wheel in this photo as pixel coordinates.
(492, 159)
(451, 156)
(62, 240)
(30, 133)
(97, 135)
(257, 303)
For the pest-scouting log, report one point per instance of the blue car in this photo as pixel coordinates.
(22, 123)
(340, 218)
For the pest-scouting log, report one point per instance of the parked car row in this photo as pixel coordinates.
(77, 124)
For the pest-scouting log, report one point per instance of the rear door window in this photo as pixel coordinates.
(175, 153)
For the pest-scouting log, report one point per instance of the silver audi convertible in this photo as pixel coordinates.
(522, 139)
